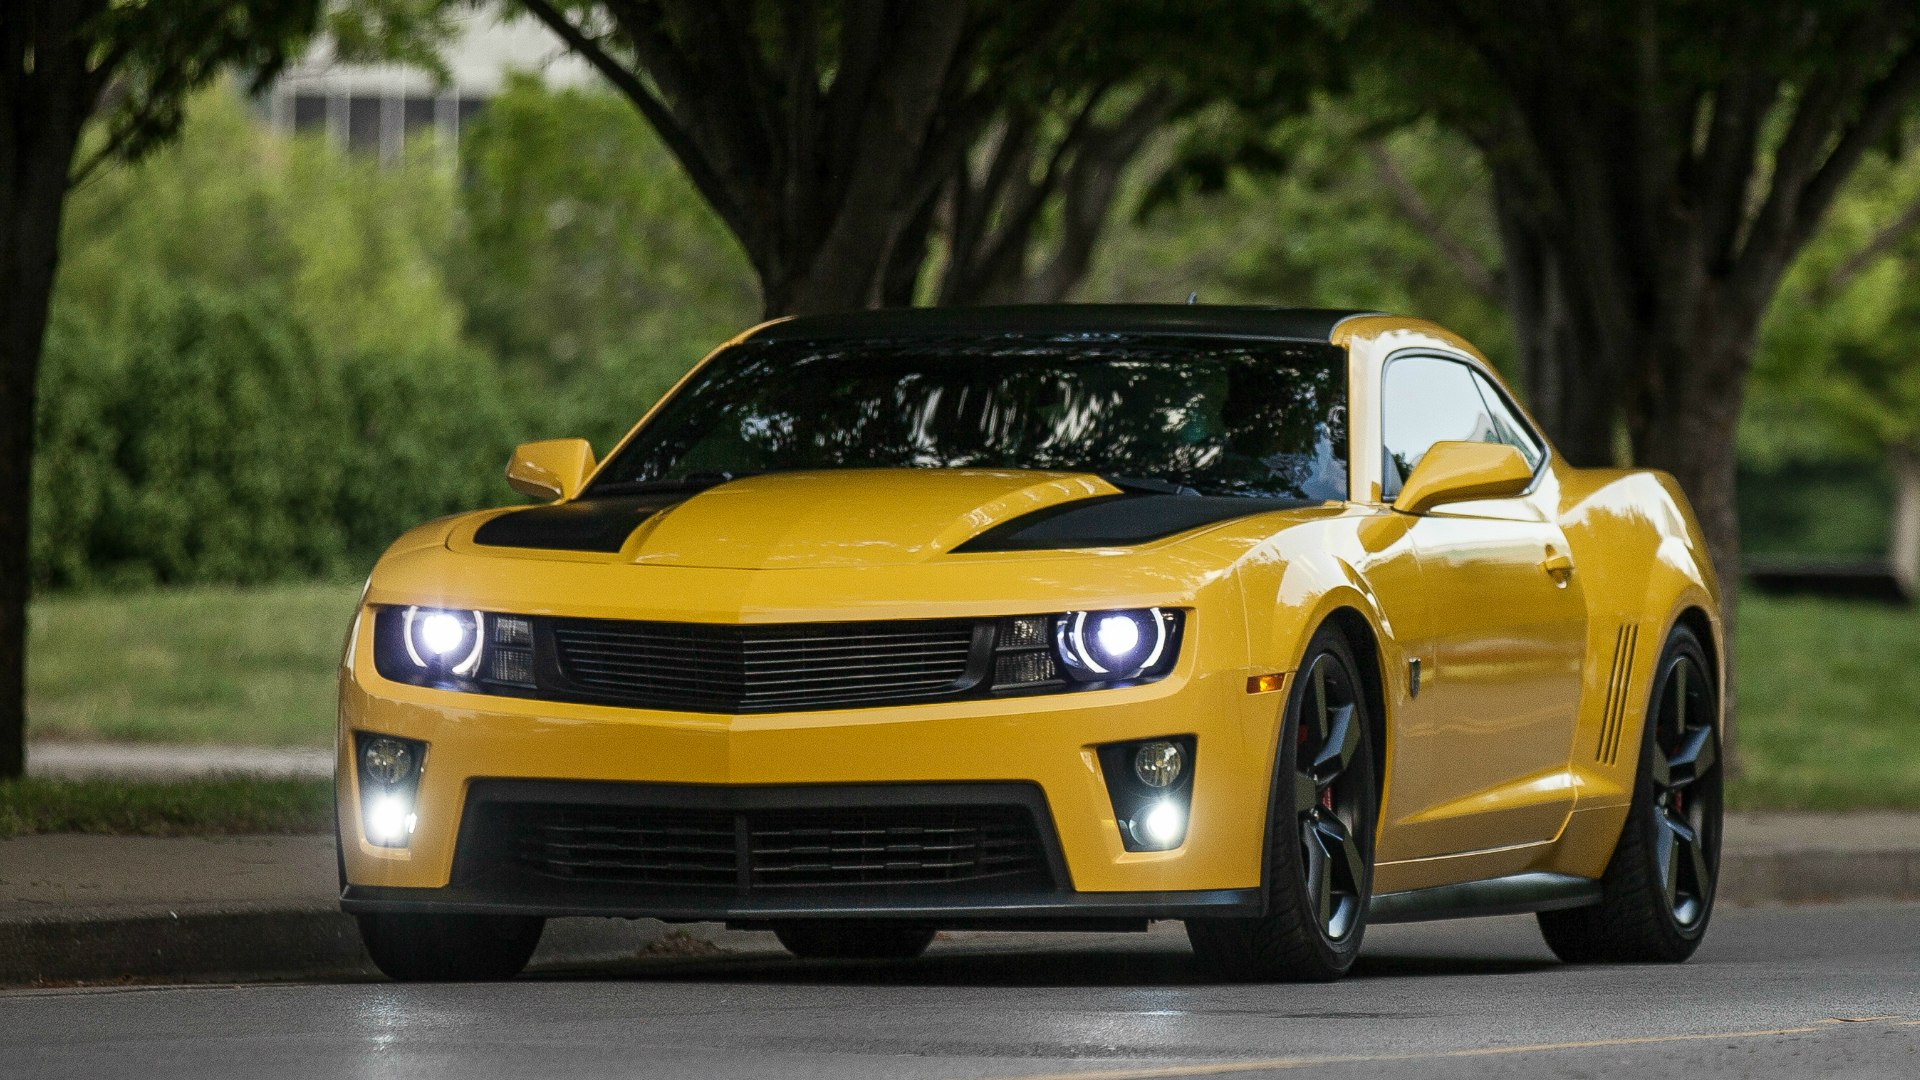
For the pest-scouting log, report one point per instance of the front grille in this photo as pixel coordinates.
(744, 669)
(675, 849)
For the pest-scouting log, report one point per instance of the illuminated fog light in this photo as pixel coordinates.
(390, 821)
(1158, 764)
(1161, 825)
(388, 761)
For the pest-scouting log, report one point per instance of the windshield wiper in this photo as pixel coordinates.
(1147, 484)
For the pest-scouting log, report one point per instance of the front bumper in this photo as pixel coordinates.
(1037, 752)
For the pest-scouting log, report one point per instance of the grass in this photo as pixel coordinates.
(227, 665)
(218, 806)
(1828, 704)
(1829, 691)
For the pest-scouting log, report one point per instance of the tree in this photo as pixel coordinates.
(584, 242)
(1656, 165)
(1836, 374)
(64, 63)
(817, 132)
(851, 146)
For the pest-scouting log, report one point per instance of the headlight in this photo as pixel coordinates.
(1111, 646)
(443, 641)
(454, 649)
(1085, 650)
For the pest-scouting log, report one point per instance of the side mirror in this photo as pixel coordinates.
(1452, 472)
(551, 468)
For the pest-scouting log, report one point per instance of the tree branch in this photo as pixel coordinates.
(1415, 206)
(630, 85)
(1878, 245)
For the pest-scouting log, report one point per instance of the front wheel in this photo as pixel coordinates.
(1319, 835)
(1659, 886)
(450, 948)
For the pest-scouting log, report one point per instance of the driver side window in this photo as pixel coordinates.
(1426, 400)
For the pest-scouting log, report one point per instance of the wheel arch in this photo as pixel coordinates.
(1361, 636)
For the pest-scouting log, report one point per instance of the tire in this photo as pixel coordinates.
(1659, 885)
(854, 941)
(1320, 832)
(450, 948)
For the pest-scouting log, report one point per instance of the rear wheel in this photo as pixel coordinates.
(854, 941)
(1659, 885)
(450, 948)
(1319, 835)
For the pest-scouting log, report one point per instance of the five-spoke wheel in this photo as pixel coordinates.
(1659, 886)
(1320, 842)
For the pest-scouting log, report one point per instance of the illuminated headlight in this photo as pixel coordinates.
(389, 787)
(454, 649)
(1111, 646)
(443, 641)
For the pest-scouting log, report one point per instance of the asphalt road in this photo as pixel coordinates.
(1803, 992)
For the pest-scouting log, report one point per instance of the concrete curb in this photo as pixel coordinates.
(265, 942)
(269, 943)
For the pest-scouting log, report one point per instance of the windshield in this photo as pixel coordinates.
(1216, 417)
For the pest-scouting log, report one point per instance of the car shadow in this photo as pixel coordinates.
(1034, 968)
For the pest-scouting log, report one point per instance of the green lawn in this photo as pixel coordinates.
(222, 805)
(1829, 705)
(188, 665)
(1829, 691)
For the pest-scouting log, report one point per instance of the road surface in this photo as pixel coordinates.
(1781, 993)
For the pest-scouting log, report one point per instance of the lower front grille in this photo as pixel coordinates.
(761, 849)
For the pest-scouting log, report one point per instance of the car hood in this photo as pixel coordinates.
(858, 517)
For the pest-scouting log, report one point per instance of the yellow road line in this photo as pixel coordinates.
(1226, 1068)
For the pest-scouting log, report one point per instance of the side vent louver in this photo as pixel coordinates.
(1623, 642)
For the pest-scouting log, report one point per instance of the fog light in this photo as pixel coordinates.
(1158, 764)
(1160, 825)
(390, 821)
(389, 761)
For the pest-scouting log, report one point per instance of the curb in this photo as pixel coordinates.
(1820, 877)
(270, 943)
(319, 941)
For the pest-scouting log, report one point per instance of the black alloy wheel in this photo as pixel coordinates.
(1659, 886)
(1320, 835)
(450, 948)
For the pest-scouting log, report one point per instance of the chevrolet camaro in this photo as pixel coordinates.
(1277, 622)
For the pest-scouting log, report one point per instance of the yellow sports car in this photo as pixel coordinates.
(1278, 622)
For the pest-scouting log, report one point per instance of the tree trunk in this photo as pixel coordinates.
(1903, 552)
(1563, 363)
(43, 106)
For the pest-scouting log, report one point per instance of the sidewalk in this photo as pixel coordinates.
(165, 761)
(78, 908)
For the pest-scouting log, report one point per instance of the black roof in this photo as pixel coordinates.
(1057, 320)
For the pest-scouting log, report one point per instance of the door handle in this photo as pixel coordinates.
(1558, 565)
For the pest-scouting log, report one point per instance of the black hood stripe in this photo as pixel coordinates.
(582, 525)
(1118, 521)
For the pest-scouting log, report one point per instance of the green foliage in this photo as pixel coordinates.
(207, 438)
(1326, 231)
(1836, 376)
(588, 259)
(354, 252)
